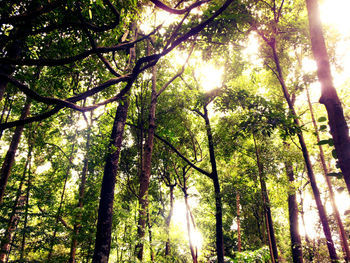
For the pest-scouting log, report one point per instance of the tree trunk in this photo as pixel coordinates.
(80, 205)
(15, 217)
(11, 153)
(267, 209)
(57, 218)
(146, 169)
(297, 251)
(342, 233)
(320, 208)
(168, 220)
(105, 211)
(239, 243)
(189, 232)
(215, 178)
(338, 126)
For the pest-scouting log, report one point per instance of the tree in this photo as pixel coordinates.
(329, 97)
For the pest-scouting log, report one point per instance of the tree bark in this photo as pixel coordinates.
(15, 217)
(342, 233)
(77, 225)
(11, 153)
(105, 211)
(338, 126)
(267, 209)
(215, 178)
(297, 251)
(146, 168)
(58, 213)
(316, 192)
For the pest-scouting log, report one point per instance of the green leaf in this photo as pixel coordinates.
(322, 119)
(334, 154)
(323, 127)
(323, 142)
(333, 174)
(90, 14)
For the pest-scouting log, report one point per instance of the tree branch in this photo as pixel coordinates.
(160, 5)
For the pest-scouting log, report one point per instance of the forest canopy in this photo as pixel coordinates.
(174, 131)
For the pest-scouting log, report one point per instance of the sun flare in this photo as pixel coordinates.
(179, 219)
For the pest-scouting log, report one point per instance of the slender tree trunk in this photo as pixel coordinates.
(338, 126)
(297, 251)
(343, 239)
(11, 153)
(25, 224)
(316, 192)
(146, 169)
(267, 208)
(189, 232)
(218, 203)
(15, 217)
(149, 225)
(80, 205)
(239, 243)
(105, 211)
(8, 108)
(168, 220)
(58, 213)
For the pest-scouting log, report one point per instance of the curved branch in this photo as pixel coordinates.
(31, 15)
(177, 11)
(68, 60)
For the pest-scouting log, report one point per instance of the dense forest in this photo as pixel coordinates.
(174, 131)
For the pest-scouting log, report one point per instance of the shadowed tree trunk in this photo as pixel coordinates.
(58, 213)
(146, 169)
(105, 210)
(147, 157)
(11, 153)
(80, 205)
(316, 192)
(267, 209)
(215, 179)
(342, 233)
(297, 251)
(338, 126)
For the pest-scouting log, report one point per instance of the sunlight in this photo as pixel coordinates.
(209, 76)
(336, 14)
(179, 219)
(251, 52)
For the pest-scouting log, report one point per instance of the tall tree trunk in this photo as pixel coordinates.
(215, 178)
(338, 126)
(80, 205)
(26, 212)
(297, 251)
(316, 192)
(15, 217)
(342, 233)
(146, 168)
(105, 210)
(7, 109)
(58, 213)
(168, 219)
(239, 243)
(11, 153)
(193, 249)
(267, 208)
(149, 225)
